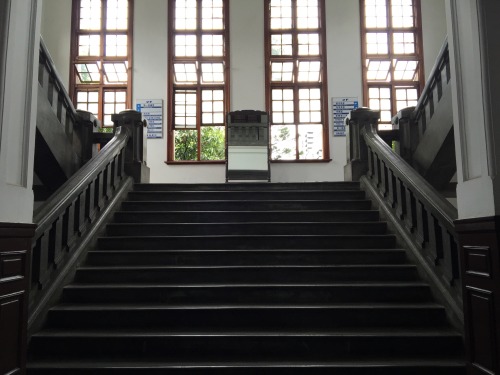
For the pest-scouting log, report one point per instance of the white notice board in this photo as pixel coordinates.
(341, 107)
(152, 112)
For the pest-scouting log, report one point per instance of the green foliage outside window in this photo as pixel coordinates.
(212, 144)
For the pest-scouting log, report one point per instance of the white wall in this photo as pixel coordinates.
(18, 119)
(433, 31)
(56, 33)
(247, 73)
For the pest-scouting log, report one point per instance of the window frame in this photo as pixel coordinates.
(418, 56)
(295, 84)
(198, 86)
(101, 87)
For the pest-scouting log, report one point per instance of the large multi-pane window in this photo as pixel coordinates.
(199, 79)
(101, 56)
(296, 87)
(392, 56)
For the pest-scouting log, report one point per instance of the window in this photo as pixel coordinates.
(296, 84)
(199, 80)
(392, 56)
(101, 57)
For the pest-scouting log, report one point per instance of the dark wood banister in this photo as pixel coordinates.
(422, 218)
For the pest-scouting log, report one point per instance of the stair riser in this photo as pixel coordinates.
(252, 295)
(244, 257)
(247, 318)
(245, 195)
(246, 205)
(197, 229)
(281, 348)
(245, 275)
(249, 242)
(245, 216)
(249, 186)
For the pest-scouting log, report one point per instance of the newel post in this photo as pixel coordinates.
(408, 133)
(357, 153)
(135, 155)
(86, 125)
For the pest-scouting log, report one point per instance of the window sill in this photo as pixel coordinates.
(179, 162)
(300, 161)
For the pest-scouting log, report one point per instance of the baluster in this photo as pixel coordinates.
(72, 220)
(91, 202)
(369, 173)
(80, 217)
(450, 257)
(108, 175)
(56, 242)
(383, 179)
(376, 170)
(401, 199)
(410, 217)
(432, 241)
(41, 261)
(99, 190)
(421, 224)
(122, 163)
(392, 195)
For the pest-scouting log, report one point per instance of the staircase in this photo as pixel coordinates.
(247, 279)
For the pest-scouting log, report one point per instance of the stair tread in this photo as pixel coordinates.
(244, 285)
(242, 306)
(345, 332)
(98, 363)
(260, 266)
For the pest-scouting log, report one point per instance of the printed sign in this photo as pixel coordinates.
(152, 112)
(341, 107)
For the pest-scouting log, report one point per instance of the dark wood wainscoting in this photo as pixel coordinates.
(15, 258)
(479, 244)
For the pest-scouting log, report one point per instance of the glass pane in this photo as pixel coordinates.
(117, 15)
(311, 142)
(185, 145)
(379, 98)
(87, 101)
(212, 45)
(212, 72)
(116, 45)
(282, 106)
(185, 45)
(185, 109)
(283, 142)
(309, 71)
(185, 73)
(116, 72)
(89, 45)
(307, 14)
(378, 70)
(213, 143)
(185, 15)
(405, 70)
(282, 71)
(402, 13)
(281, 44)
(406, 97)
(212, 14)
(404, 43)
(114, 102)
(281, 14)
(310, 105)
(375, 14)
(90, 14)
(377, 44)
(88, 73)
(212, 107)
(308, 44)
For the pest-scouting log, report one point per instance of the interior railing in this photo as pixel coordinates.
(423, 219)
(426, 138)
(62, 131)
(69, 220)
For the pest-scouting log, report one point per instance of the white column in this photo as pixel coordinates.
(473, 34)
(18, 100)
